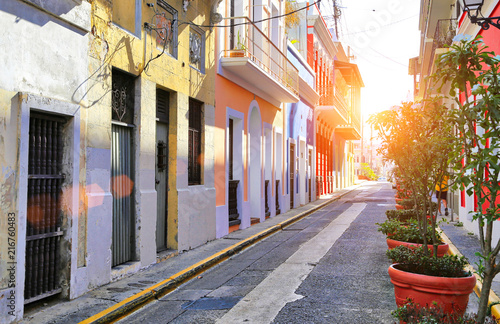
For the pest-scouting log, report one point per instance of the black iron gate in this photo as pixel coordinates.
(43, 232)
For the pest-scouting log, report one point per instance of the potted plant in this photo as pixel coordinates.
(428, 280)
(408, 234)
(417, 140)
(403, 216)
(411, 313)
(240, 49)
(469, 75)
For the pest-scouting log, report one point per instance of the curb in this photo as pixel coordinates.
(495, 310)
(158, 290)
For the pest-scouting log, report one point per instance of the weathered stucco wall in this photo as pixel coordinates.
(63, 51)
(43, 54)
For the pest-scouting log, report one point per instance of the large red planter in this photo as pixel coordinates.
(450, 293)
(442, 248)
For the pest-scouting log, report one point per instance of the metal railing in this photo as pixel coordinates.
(446, 29)
(247, 40)
(332, 96)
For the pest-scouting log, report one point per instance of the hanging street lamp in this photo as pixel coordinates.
(473, 8)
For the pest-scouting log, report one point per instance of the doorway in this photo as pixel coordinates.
(292, 174)
(161, 168)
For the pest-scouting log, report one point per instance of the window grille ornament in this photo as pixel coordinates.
(119, 102)
(194, 48)
(164, 28)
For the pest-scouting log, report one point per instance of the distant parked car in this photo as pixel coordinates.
(382, 179)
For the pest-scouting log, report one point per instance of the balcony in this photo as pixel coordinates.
(351, 131)
(446, 29)
(443, 38)
(251, 60)
(339, 103)
(332, 103)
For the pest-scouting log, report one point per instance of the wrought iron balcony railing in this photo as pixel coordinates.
(332, 96)
(245, 39)
(446, 29)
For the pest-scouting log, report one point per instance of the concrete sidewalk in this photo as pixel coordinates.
(116, 299)
(467, 244)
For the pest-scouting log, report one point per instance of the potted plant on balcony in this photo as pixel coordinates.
(240, 49)
(470, 73)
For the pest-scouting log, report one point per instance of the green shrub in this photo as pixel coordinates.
(389, 226)
(403, 215)
(405, 232)
(415, 261)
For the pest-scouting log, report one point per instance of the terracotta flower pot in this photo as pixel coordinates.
(450, 293)
(442, 248)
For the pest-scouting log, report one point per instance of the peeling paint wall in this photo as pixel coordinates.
(61, 54)
(112, 46)
(44, 54)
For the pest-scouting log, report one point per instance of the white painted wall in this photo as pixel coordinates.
(44, 57)
(196, 204)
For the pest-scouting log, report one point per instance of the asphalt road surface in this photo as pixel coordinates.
(330, 267)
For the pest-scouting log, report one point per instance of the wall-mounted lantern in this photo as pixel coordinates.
(473, 8)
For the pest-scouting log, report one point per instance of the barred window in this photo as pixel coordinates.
(195, 135)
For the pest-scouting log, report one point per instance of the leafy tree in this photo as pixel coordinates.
(368, 172)
(417, 137)
(468, 68)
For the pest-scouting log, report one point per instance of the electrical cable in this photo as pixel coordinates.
(251, 22)
(390, 59)
(150, 26)
(164, 39)
(363, 31)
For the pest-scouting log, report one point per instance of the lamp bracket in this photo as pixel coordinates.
(486, 22)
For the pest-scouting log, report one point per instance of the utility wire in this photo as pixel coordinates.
(390, 59)
(251, 22)
(363, 31)
(150, 27)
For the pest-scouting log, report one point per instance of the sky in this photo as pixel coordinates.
(383, 36)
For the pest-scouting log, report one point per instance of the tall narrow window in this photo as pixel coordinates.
(195, 135)
(231, 150)
(231, 28)
(45, 228)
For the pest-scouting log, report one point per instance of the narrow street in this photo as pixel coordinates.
(330, 267)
